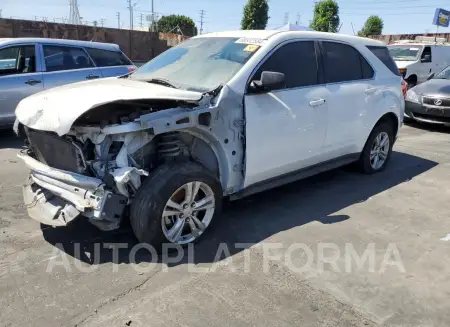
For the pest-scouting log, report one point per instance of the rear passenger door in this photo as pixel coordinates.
(110, 63)
(352, 92)
(66, 64)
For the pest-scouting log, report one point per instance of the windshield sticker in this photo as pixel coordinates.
(246, 40)
(251, 48)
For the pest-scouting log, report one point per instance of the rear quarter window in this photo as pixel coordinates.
(343, 63)
(385, 57)
(106, 58)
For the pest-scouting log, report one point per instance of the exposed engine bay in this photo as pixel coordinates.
(97, 166)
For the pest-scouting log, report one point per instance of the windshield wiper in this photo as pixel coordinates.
(162, 81)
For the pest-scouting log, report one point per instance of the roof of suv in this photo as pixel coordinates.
(99, 45)
(268, 34)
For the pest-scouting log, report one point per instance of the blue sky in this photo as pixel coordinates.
(400, 16)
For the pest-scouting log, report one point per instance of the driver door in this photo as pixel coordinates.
(286, 127)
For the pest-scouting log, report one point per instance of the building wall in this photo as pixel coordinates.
(388, 39)
(138, 45)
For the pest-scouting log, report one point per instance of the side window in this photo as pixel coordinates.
(65, 58)
(17, 60)
(344, 63)
(367, 71)
(426, 52)
(105, 58)
(385, 57)
(297, 61)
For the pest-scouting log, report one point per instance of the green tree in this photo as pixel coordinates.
(256, 15)
(175, 23)
(373, 26)
(326, 16)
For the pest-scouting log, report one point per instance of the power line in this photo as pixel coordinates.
(202, 16)
(389, 7)
(388, 14)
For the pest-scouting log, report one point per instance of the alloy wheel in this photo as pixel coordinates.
(188, 212)
(379, 151)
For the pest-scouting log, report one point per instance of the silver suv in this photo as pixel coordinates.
(29, 65)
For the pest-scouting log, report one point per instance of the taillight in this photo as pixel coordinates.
(131, 69)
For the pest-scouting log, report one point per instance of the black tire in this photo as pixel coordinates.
(412, 81)
(148, 205)
(364, 160)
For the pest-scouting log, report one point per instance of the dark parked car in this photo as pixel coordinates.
(430, 101)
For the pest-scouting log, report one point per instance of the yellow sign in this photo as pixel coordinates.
(251, 48)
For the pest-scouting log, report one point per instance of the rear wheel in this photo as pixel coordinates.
(176, 204)
(378, 149)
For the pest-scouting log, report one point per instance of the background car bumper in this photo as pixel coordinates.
(422, 113)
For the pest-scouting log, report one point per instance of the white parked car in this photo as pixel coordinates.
(221, 115)
(417, 60)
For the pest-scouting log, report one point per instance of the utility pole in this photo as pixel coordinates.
(131, 7)
(74, 17)
(0, 13)
(102, 22)
(142, 20)
(202, 16)
(298, 19)
(118, 19)
(286, 18)
(153, 16)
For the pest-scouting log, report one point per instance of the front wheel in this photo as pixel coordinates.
(175, 204)
(378, 149)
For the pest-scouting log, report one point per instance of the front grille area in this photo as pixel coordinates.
(433, 118)
(55, 151)
(430, 101)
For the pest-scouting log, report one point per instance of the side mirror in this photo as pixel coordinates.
(426, 58)
(269, 81)
(430, 76)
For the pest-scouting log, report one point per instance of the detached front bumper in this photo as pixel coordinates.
(56, 197)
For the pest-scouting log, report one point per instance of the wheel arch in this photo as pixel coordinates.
(207, 150)
(391, 118)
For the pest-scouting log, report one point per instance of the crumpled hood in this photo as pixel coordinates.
(56, 110)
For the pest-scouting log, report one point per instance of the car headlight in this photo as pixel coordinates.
(412, 96)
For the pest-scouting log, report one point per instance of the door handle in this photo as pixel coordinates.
(33, 82)
(91, 76)
(371, 90)
(316, 103)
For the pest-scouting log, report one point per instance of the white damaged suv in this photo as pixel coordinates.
(221, 115)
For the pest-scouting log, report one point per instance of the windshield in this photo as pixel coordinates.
(199, 64)
(445, 74)
(405, 52)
